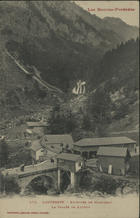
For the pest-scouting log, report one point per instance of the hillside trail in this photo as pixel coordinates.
(36, 77)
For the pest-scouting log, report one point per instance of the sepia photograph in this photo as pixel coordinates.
(69, 109)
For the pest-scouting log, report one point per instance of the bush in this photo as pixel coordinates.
(106, 184)
(10, 185)
(85, 179)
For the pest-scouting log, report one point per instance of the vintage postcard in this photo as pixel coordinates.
(69, 100)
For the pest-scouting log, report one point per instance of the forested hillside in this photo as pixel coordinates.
(113, 104)
(118, 83)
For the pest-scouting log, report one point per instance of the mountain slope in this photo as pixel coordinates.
(112, 107)
(60, 40)
(125, 31)
(55, 36)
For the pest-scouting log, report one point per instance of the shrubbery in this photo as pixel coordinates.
(9, 184)
(106, 184)
(91, 183)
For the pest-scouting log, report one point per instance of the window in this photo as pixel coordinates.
(79, 164)
(61, 161)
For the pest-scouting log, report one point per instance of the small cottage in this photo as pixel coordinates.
(71, 163)
(113, 160)
(36, 150)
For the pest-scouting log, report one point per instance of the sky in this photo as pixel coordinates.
(130, 17)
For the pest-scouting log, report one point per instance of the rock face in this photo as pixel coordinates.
(118, 191)
(51, 192)
(127, 190)
(130, 188)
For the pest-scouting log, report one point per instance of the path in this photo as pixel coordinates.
(35, 77)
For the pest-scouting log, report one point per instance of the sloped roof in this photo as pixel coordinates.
(36, 124)
(36, 145)
(104, 141)
(55, 149)
(57, 139)
(69, 156)
(112, 151)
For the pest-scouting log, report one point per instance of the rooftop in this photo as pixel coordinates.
(57, 139)
(104, 141)
(112, 151)
(36, 145)
(56, 149)
(68, 156)
(36, 124)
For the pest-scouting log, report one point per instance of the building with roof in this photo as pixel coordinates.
(113, 160)
(36, 150)
(57, 143)
(88, 147)
(70, 163)
(35, 128)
